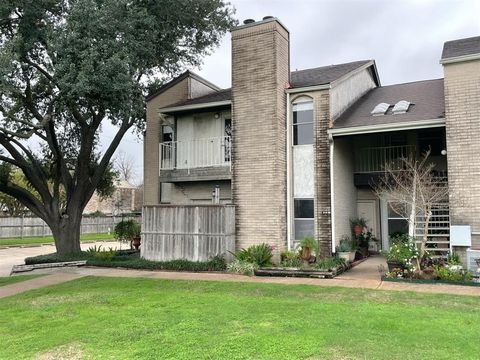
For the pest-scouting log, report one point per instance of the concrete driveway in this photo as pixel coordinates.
(16, 255)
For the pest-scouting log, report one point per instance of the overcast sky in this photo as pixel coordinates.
(405, 38)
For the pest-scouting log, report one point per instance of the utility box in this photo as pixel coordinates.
(460, 235)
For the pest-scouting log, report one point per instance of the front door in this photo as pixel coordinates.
(368, 209)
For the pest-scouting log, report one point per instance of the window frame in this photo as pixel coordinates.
(296, 126)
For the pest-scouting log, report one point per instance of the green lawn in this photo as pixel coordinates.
(14, 279)
(108, 318)
(49, 239)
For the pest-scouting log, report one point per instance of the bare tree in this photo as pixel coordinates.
(414, 191)
(125, 166)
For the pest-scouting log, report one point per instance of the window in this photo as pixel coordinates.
(396, 222)
(167, 133)
(304, 218)
(303, 123)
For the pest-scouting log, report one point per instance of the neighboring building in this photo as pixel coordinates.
(125, 199)
(297, 152)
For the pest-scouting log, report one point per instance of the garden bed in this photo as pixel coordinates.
(425, 281)
(130, 259)
(301, 272)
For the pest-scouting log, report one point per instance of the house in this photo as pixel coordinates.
(296, 153)
(124, 200)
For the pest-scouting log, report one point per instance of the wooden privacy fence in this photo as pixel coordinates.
(191, 232)
(18, 227)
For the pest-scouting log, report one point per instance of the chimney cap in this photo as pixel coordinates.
(267, 17)
(248, 21)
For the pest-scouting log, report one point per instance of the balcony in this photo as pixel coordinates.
(196, 160)
(370, 162)
(373, 159)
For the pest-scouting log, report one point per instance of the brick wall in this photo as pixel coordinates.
(462, 105)
(260, 71)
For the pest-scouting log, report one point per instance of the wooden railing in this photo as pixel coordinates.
(196, 153)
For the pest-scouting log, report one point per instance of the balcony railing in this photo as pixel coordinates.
(197, 153)
(374, 159)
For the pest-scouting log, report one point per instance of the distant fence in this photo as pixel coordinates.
(18, 227)
(192, 232)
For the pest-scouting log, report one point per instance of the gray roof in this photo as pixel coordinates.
(323, 75)
(427, 97)
(301, 78)
(461, 47)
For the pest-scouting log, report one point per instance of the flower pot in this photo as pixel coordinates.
(394, 264)
(347, 256)
(136, 243)
(357, 230)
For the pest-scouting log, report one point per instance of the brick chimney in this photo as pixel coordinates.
(260, 74)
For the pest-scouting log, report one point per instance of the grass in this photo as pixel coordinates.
(49, 239)
(14, 279)
(122, 318)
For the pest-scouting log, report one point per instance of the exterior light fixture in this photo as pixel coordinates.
(443, 152)
(216, 116)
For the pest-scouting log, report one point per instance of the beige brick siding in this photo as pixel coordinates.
(175, 94)
(462, 102)
(259, 76)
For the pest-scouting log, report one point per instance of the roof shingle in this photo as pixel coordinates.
(426, 96)
(461, 47)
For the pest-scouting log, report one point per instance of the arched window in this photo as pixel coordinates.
(302, 121)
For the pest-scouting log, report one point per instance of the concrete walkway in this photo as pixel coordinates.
(16, 255)
(364, 275)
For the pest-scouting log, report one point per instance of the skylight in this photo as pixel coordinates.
(401, 107)
(380, 109)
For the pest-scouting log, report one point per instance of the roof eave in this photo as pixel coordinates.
(462, 58)
(213, 104)
(356, 71)
(308, 88)
(370, 129)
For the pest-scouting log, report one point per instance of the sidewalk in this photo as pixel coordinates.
(364, 276)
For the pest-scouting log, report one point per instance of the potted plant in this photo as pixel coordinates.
(308, 247)
(402, 253)
(346, 249)
(128, 230)
(358, 224)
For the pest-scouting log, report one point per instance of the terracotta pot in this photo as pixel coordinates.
(306, 253)
(136, 243)
(357, 230)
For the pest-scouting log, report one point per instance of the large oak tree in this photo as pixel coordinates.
(69, 66)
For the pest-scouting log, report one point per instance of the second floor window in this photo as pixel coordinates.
(303, 123)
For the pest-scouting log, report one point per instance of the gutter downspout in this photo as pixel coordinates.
(289, 173)
(332, 192)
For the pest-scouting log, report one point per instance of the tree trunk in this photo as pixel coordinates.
(66, 234)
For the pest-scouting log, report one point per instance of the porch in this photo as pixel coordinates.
(359, 163)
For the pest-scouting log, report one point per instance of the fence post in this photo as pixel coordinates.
(21, 227)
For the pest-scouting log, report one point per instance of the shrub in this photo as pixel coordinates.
(346, 245)
(330, 263)
(242, 267)
(290, 259)
(309, 242)
(403, 251)
(260, 255)
(451, 273)
(130, 259)
(127, 230)
(453, 259)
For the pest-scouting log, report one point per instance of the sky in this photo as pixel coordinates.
(405, 38)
